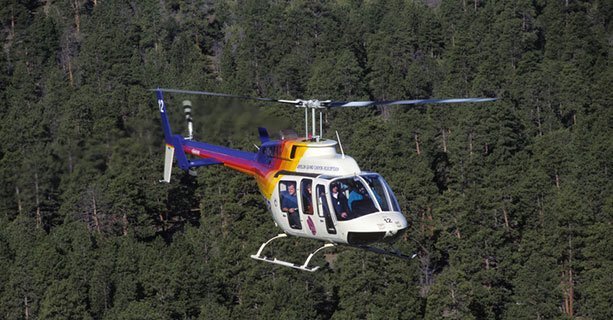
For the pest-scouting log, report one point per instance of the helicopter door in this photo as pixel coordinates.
(306, 206)
(323, 211)
(288, 195)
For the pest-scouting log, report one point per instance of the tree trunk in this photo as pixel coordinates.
(12, 32)
(95, 214)
(17, 196)
(470, 143)
(444, 137)
(70, 166)
(457, 232)
(505, 215)
(538, 120)
(568, 282)
(77, 16)
(541, 213)
(26, 308)
(39, 219)
(125, 224)
(426, 278)
(70, 76)
(417, 149)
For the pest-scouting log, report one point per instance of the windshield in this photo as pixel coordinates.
(382, 192)
(361, 195)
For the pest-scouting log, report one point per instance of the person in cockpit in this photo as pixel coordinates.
(339, 202)
(356, 194)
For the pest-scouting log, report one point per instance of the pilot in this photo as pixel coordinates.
(339, 201)
(289, 204)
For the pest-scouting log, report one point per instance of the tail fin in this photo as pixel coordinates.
(263, 133)
(165, 123)
(172, 144)
(176, 143)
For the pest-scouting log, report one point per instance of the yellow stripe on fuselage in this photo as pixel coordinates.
(268, 182)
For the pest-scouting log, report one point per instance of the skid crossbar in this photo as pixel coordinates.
(303, 267)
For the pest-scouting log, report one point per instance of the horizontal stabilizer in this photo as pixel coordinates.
(168, 158)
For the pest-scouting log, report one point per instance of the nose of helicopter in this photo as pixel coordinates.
(377, 227)
(392, 236)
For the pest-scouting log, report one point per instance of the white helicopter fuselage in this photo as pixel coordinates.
(323, 214)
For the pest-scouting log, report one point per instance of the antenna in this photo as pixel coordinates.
(340, 144)
(320, 127)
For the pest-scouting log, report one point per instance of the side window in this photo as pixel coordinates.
(324, 211)
(306, 193)
(289, 203)
(321, 200)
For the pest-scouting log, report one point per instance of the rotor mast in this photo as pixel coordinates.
(313, 105)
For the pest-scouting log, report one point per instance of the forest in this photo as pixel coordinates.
(510, 203)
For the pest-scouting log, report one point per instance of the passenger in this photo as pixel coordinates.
(355, 195)
(339, 201)
(289, 204)
(307, 197)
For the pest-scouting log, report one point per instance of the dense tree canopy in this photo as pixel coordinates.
(510, 204)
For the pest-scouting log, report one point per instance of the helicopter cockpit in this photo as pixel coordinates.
(361, 195)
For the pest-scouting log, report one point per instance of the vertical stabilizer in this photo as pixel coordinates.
(263, 133)
(165, 123)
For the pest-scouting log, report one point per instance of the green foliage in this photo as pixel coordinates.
(510, 204)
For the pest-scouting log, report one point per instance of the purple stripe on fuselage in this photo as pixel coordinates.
(246, 161)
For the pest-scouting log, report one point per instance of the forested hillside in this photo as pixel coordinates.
(510, 204)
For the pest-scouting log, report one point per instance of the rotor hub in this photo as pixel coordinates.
(312, 104)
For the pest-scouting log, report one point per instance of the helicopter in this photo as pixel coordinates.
(311, 190)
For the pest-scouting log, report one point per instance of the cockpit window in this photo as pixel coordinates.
(351, 199)
(378, 190)
(357, 196)
(383, 192)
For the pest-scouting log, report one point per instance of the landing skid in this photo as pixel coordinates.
(393, 253)
(303, 267)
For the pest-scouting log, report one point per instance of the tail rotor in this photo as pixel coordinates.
(187, 109)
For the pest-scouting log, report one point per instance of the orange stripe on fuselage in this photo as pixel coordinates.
(264, 174)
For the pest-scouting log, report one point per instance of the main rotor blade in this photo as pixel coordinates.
(207, 93)
(331, 104)
(341, 104)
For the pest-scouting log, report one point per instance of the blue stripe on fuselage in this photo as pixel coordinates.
(250, 156)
